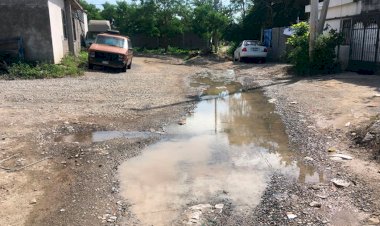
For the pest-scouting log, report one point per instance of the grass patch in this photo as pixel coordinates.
(69, 66)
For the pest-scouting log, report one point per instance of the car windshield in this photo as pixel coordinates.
(111, 41)
(252, 43)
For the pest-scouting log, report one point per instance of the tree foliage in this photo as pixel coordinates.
(323, 58)
(213, 20)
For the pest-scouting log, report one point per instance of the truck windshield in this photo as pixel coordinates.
(111, 41)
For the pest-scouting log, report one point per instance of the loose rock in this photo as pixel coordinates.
(315, 204)
(340, 183)
(373, 221)
(33, 201)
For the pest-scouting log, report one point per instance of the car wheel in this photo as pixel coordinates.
(130, 65)
(264, 60)
(241, 59)
(90, 66)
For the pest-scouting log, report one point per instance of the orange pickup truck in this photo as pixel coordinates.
(111, 50)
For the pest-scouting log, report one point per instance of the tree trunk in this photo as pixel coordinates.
(322, 18)
(313, 25)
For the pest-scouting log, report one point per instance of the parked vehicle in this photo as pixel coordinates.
(96, 27)
(250, 49)
(111, 50)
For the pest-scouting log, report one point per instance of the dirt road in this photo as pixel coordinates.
(65, 126)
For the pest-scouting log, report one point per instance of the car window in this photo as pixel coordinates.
(111, 41)
(252, 43)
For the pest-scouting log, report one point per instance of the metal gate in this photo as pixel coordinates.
(365, 50)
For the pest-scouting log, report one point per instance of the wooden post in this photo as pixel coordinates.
(313, 25)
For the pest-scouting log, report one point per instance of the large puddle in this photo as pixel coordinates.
(230, 146)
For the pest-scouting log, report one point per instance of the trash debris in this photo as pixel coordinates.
(342, 156)
(290, 215)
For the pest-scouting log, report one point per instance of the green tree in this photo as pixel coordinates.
(209, 21)
(93, 13)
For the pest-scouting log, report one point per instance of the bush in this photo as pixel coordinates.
(323, 57)
(69, 66)
(231, 48)
(299, 54)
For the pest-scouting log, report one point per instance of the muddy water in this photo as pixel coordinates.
(230, 146)
(100, 136)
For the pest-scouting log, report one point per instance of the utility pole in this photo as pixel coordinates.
(313, 25)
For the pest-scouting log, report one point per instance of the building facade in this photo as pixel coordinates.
(49, 28)
(359, 22)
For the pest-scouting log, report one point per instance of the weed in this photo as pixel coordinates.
(69, 66)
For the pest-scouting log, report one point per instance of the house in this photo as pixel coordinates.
(49, 28)
(359, 22)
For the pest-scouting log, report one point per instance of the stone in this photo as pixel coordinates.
(336, 159)
(347, 124)
(368, 137)
(33, 201)
(373, 221)
(293, 102)
(272, 100)
(200, 207)
(195, 215)
(331, 150)
(315, 204)
(322, 196)
(62, 210)
(219, 206)
(342, 156)
(375, 128)
(112, 219)
(290, 215)
(340, 183)
(182, 122)
(310, 159)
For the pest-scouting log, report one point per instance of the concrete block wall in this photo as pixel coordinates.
(30, 20)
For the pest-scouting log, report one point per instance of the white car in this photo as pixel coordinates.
(251, 49)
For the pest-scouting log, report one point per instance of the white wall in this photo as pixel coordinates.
(55, 8)
(85, 20)
(340, 8)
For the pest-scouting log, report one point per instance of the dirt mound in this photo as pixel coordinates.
(369, 136)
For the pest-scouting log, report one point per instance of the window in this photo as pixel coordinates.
(111, 41)
(74, 30)
(64, 23)
(346, 31)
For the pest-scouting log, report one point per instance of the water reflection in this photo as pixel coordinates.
(100, 136)
(230, 146)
